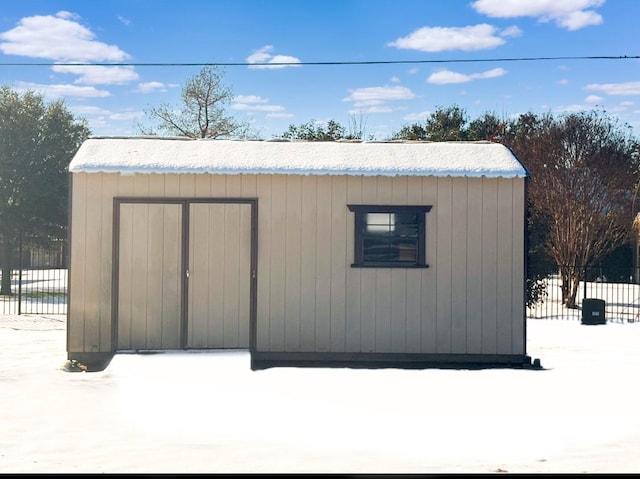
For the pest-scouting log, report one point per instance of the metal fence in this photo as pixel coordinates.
(618, 288)
(39, 286)
(38, 282)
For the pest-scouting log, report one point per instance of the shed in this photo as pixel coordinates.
(356, 254)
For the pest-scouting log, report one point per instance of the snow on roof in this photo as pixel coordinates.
(180, 155)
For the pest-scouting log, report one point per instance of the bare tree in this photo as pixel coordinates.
(582, 175)
(357, 129)
(202, 113)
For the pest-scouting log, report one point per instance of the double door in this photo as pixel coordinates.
(184, 273)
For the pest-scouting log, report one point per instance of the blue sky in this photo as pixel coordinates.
(438, 42)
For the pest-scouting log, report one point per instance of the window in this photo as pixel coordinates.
(389, 236)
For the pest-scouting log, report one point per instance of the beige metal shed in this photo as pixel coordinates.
(360, 254)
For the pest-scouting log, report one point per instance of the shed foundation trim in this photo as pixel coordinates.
(265, 360)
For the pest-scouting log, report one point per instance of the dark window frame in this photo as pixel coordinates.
(360, 213)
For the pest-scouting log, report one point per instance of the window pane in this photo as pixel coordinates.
(379, 222)
(407, 250)
(377, 249)
(389, 249)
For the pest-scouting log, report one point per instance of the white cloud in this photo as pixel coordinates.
(569, 14)
(395, 79)
(379, 93)
(368, 102)
(58, 91)
(279, 115)
(263, 59)
(438, 39)
(250, 99)
(629, 88)
(124, 20)
(99, 75)
(256, 107)
(154, 86)
(511, 31)
(57, 37)
(444, 77)
(371, 109)
(87, 110)
(563, 81)
(593, 99)
(101, 114)
(373, 99)
(125, 116)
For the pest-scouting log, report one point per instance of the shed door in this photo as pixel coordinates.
(149, 286)
(219, 275)
(163, 305)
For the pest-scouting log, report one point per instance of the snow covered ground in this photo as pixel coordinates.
(207, 412)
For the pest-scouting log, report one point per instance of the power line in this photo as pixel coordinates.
(274, 64)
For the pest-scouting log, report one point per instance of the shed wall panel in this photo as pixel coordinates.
(202, 186)
(93, 288)
(353, 287)
(489, 277)
(76, 311)
(339, 265)
(504, 267)
(156, 185)
(444, 284)
(109, 190)
(518, 272)
(414, 279)
(277, 263)
(322, 341)
(308, 242)
(459, 276)
(474, 289)
(292, 246)
(263, 189)
(429, 284)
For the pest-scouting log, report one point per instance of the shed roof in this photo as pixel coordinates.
(180, 155)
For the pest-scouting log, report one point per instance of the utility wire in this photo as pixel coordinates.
(273, 64)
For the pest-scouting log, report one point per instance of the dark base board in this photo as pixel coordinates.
(265, 360)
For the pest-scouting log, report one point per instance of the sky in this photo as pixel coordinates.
(207, 412)
(418, 56)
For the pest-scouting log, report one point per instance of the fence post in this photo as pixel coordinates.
(20, 274)
(584, 279)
